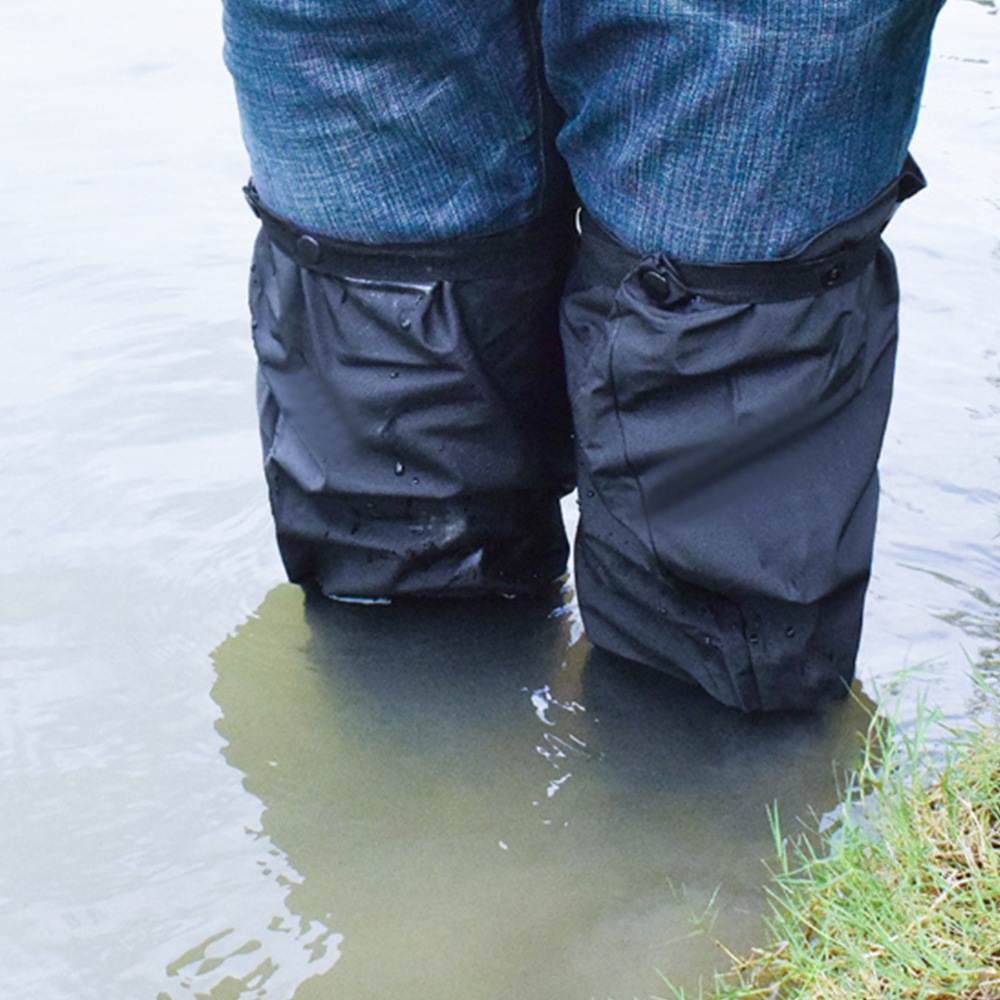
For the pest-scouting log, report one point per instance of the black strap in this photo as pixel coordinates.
(544, 241)
(836, 256)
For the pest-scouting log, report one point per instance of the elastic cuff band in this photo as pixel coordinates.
(548, 238)
(837, 255)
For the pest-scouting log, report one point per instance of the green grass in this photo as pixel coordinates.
(901, 899)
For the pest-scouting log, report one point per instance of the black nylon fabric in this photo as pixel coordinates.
(726, 460)
(416, 434)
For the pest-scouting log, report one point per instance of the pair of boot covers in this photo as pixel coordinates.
(424, 407)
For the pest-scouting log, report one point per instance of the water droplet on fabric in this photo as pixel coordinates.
(393, 374)
(400, 468)
(415, 480)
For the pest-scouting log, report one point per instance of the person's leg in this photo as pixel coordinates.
(405, 292)
(729, 418)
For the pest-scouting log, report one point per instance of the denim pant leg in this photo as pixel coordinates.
(389, 121)
(730, 357)
(731, 130)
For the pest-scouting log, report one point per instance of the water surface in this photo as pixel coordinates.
(210, 789)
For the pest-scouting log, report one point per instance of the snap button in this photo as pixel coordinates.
(306, 250)
(833, 275)
(655, 285)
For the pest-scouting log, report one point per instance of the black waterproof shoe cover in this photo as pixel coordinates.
(413, 410)
(728, 423)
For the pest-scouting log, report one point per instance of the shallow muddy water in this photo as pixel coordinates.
(212, 789)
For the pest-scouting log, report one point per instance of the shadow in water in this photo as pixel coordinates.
(483, 810)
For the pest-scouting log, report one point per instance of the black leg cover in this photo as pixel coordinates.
(413, 414)
(726, 448)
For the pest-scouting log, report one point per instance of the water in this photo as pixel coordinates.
(211, 790)
(936, 582)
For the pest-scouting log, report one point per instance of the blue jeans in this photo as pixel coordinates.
(710, 130)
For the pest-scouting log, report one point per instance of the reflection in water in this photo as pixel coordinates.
(483, 810)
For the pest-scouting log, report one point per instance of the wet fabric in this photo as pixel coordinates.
(710, 131)
(727, 461)
(416, 433)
